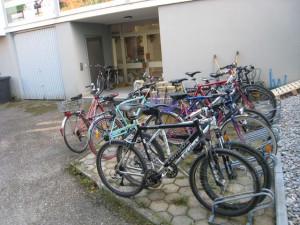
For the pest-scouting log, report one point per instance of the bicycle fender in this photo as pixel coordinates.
(62, 126)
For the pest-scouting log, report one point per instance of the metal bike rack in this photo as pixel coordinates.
(259, 206)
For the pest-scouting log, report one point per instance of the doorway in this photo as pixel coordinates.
(95, 55)
(136, 50)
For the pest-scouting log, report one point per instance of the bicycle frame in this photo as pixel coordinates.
(185, 148)
(127, 126)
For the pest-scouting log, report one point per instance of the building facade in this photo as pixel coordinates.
(50, 48)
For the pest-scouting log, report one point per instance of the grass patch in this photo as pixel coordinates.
(182, 201)
(112, 203)
(35, 107)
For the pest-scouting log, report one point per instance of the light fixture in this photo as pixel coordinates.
(127, 17)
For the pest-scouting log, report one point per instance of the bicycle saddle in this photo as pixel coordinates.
(176, 81)
(179, 96)
(76, 97)
(129, 106)
(110, 97)
(152, 105)
(216, 75)
(192, 74)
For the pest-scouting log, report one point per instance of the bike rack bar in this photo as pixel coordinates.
(259, 206)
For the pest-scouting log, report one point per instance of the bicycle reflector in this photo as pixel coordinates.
(67, 114)
(268, 148)
(225, 136)
(256, 95)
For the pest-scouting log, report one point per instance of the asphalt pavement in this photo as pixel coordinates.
(34, 186)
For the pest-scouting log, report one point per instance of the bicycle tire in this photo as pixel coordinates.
(257, 115)
(175, 136)
(111, 82)
(75, 133)
(256, 160)
(155, 150)
(254, 133)
(100, 83)
(206, 192)
(112, 170)
(99, 131)
(261, 100)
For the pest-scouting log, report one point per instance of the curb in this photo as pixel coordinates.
(144, 212)
(280, 207)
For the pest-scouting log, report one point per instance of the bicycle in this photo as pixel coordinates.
(107, 78)
(76, 122)
(124, 171)
(254, 130)
(113, 124)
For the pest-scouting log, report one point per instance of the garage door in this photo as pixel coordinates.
(39, 64)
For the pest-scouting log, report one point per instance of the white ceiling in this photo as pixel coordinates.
(118, 17)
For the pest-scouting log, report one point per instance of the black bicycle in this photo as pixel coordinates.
(107, 78)
(219, 171)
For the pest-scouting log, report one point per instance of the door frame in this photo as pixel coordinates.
(87, 52)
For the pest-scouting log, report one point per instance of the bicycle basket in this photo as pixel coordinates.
(70, 106)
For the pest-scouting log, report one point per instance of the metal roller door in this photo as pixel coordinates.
(39, 64)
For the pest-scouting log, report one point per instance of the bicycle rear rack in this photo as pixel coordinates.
(259, 206)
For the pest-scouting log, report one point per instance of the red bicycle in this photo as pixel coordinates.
(75, 125)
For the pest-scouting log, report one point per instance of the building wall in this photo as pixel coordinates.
(266, 33)
(8, 62)
(72, 47)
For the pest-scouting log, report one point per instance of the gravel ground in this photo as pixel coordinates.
(290, 150)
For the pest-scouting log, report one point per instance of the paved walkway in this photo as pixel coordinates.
(161, 201)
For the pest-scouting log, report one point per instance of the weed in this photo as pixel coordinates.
(142, 205)
(182, 201)
(113, 203)
(34, 107)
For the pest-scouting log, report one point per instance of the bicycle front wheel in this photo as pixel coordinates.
(223, 175)
(100, 83)
(100, 131)
(75, 133)
(121, 168)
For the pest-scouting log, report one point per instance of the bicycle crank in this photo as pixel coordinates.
(152, 178)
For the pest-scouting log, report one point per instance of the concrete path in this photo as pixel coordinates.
(34, 186)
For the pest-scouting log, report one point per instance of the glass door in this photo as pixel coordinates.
(137, 53)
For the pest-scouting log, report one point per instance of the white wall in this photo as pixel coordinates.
(72, 47)
(266, 33)
(8, 65)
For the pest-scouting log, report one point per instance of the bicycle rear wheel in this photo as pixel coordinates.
(75, 133)
(121, 168)
(175, 136)
(252, 132)
(224, 174)
(111, 81)
(261, 100)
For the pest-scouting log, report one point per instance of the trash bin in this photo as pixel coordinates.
(5, 95)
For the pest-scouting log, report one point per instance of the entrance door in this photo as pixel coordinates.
(39, 64)
(95, 55)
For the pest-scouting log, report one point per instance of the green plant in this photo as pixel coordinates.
(182, 201)
(103, 196)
